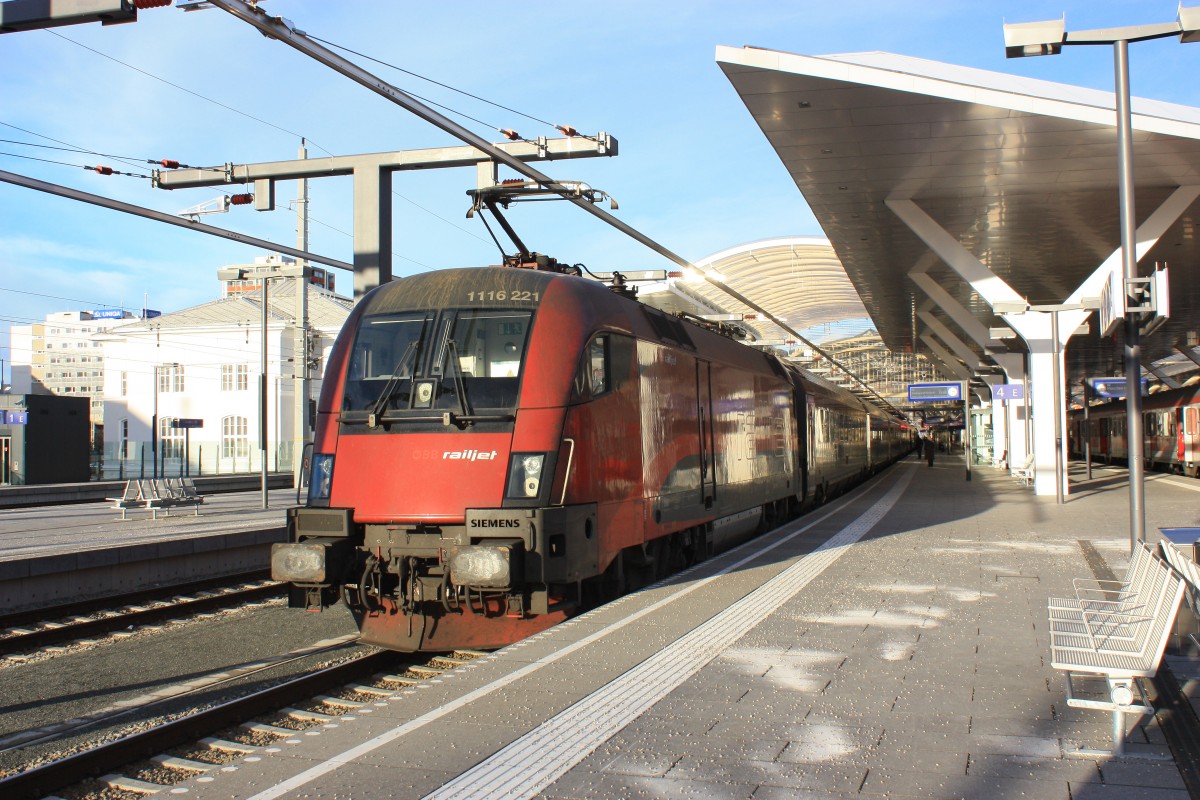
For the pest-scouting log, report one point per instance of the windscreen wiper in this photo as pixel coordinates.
(460, 388)
(389, 388)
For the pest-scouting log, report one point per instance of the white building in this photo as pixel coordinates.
(204, 364)
(61, 356)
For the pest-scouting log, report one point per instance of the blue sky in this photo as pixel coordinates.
(695, 173)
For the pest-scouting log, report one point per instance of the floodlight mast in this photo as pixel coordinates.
(287, 33)
(1048, 38)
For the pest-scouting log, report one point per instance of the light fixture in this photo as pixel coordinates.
(1024, 39)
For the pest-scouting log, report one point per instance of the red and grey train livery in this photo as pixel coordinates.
(1170, 425)
(497, 447)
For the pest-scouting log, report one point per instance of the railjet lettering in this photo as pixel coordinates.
(468, 455)
(495, 523)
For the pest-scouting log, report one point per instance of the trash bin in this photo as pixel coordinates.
(1187, 623)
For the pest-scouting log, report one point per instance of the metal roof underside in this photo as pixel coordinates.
(1022, 172)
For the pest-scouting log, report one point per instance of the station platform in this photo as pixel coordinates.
(60, 554)
(889, 644)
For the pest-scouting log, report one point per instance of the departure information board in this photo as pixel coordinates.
(933, 392)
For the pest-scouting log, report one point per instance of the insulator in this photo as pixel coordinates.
(669, 274)
(170, 163)
(142, 5)
(104, 170)
(509, 133)
(512, 182)
(241, 199)
(568, 130)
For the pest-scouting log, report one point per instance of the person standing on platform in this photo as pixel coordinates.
(930, 449)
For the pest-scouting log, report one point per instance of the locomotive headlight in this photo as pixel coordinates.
(320, 482)
(525, 475)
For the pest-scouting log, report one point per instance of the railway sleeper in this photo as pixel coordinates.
(227, 746)
(187, 764)
(127, 784)
(304, 715)
(268, 730)
(340, 702)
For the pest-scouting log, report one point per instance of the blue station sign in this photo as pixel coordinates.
(1008, 391)
(934, 392)
(1113, 387)
(187, 422)
(15, 418)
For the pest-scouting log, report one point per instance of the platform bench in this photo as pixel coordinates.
(158, 494)
(1024, 474)
(1116, 631)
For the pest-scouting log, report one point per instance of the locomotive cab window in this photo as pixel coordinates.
(593, 377)
(387, 348)
(460, 360)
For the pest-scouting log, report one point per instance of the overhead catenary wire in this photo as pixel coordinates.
(189, 91)
(166, 163)
(99, 169)
(509, 133)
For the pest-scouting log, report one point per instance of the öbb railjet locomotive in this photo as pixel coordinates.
(497, 447)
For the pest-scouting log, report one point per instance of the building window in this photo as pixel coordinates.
(235, 438)
(124, 438)
(170, 378)
(170, 438)
(235, 377)
(124, 383)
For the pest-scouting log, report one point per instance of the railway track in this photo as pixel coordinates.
(21, 635)
(154, 759)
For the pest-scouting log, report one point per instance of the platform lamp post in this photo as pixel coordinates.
(1046, 39)
(263, 274)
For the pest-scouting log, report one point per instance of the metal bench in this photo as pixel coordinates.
(127, 500)
(183, 493)
(1188, 569)
(161, 494)
(153, 496)
(1117, 638)
(1102, 595)
(1024, 473)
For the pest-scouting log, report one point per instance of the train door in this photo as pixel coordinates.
(5, 460)
(708, 471)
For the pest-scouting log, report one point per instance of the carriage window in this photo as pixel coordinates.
(1190, 422)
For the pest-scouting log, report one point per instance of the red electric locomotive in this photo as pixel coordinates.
(496, 447)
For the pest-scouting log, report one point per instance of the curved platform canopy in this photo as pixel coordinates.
(800, 280)
(945, 189)
(797, 278)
